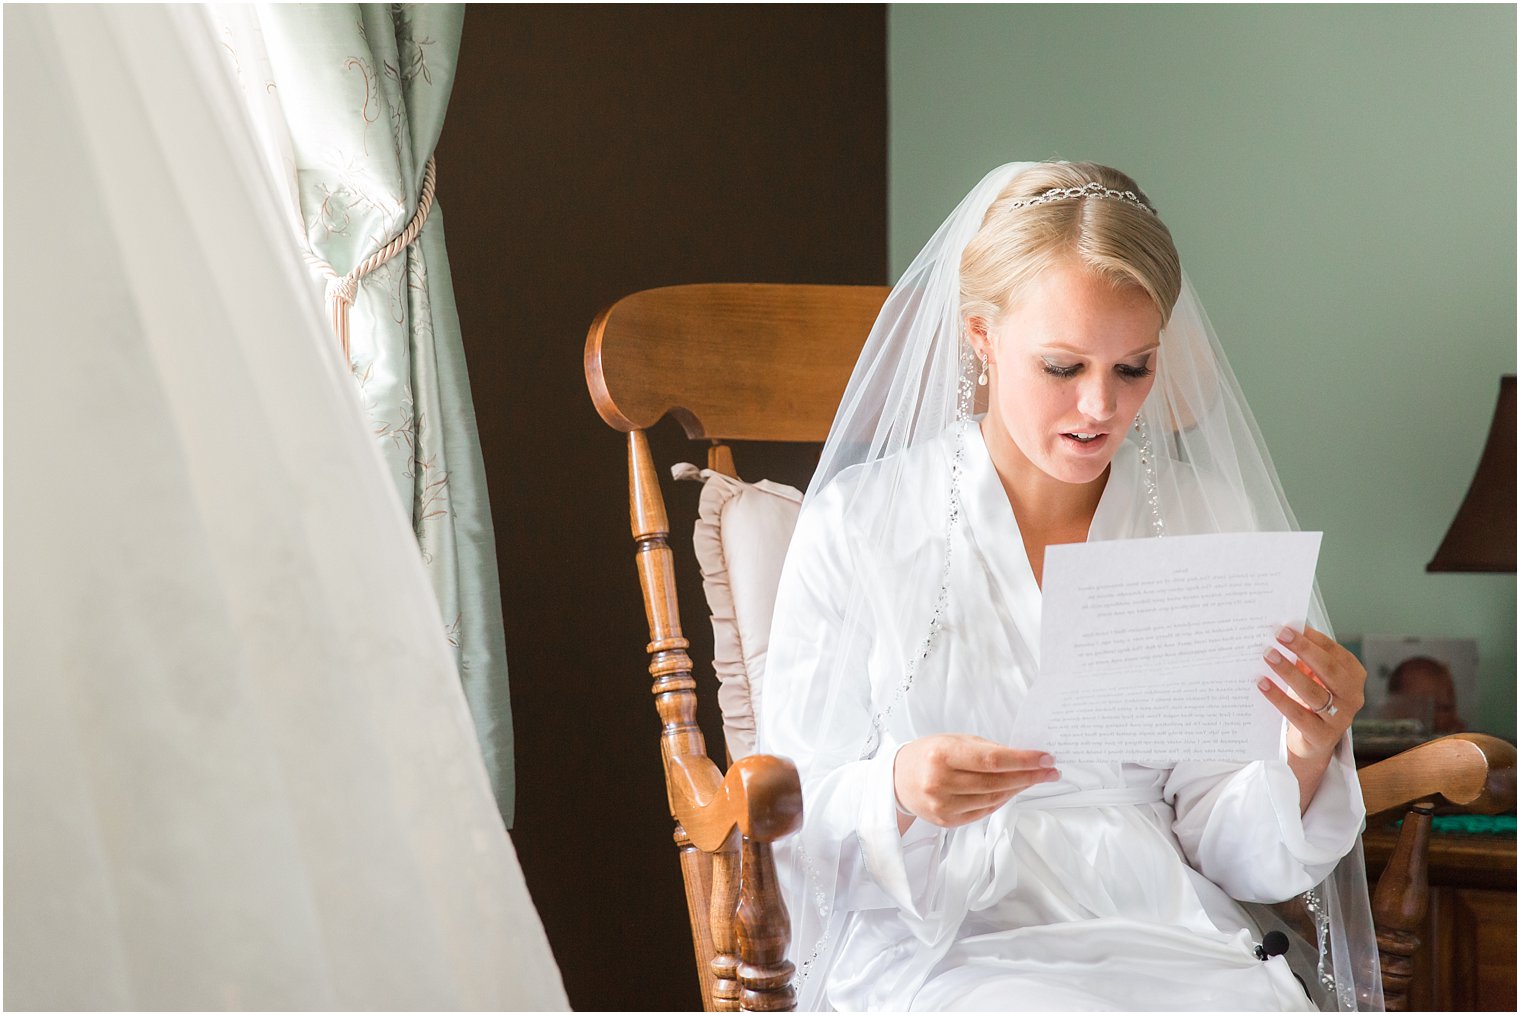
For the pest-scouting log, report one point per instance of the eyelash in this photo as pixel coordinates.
(1125, 371)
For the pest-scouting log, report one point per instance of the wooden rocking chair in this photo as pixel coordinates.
(769, 363)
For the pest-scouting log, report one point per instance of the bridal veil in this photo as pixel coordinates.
(914, 384)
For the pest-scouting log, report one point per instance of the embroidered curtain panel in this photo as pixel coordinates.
(239, 770)
(347, 101)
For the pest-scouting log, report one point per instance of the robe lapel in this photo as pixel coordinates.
(994, 532)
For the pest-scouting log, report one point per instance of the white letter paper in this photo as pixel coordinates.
(1150, 649)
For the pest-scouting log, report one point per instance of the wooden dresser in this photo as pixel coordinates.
(1467, 959)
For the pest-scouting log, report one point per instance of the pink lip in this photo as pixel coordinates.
(1089, 447)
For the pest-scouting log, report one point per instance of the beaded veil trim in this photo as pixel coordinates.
(964, 401)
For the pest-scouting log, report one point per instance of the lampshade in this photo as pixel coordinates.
(1482, 536)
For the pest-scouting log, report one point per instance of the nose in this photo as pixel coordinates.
(1098, 398)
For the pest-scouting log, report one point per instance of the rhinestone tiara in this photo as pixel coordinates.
(1093, 190)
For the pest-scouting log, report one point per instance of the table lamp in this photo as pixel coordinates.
(1482, 536)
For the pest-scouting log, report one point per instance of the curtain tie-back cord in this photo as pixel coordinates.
(342, 290)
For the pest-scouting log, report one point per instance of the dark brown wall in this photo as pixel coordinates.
(589, 153)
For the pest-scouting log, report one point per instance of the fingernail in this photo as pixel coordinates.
(1273, 656)
(1052, 775)
(1264, 684)
(1286, 635)
(1046, 761)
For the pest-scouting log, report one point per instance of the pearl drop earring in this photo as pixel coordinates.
(982, 378)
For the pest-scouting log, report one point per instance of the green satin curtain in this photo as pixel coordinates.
(348, 101)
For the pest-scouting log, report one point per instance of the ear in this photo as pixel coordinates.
(976, 334)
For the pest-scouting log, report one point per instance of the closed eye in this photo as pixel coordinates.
(1125, 370)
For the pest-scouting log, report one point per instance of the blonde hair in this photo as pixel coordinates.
(1127, 245)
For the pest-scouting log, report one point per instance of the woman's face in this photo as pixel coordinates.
(1071, 363)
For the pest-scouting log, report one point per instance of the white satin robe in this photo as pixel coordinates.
(1111, 888)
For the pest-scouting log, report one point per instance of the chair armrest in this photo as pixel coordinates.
(761, 796)
(1472, 770)
(734, 818)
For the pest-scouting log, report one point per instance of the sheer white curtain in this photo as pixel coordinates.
(347, 103)
(239, 769)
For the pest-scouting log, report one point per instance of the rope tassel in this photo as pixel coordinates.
(342, 290)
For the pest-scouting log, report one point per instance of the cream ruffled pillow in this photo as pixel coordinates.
(741, 536)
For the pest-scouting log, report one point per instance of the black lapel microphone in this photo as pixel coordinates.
(1274, 942)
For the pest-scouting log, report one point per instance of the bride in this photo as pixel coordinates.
(1043, 373)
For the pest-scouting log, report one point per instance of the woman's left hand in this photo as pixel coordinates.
(1327, 684)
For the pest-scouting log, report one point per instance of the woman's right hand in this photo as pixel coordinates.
(952, 779)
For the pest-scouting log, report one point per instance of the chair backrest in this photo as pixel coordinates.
(731, 363)
(770, 363)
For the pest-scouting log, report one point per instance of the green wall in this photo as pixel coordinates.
(1341, 184)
